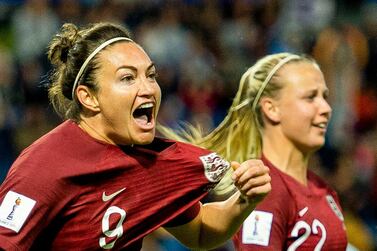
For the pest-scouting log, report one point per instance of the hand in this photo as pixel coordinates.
(252, 179)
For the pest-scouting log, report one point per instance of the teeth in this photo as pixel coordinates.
(146, 105)
(322, 125)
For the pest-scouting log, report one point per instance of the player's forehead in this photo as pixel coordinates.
(301, 74)
(125, 54)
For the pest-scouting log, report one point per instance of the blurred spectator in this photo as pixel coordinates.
(300, 21)
(8, 112)
(69, 11)
(165, 39)
(367, 98)
(345, 179)
(238, 38)
(33, 24)
(102, 11)
(33, 125)
(342, 52)
(369, 22)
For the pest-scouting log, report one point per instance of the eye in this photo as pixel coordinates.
(326, 95)
(311, 97)
(127, 78)
(153, 75)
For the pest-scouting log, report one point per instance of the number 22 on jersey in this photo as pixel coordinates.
(315, 228)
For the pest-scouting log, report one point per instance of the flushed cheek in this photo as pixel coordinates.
(121, 118)
(158, 100)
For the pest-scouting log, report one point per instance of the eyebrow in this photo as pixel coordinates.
(316, 90)
(133, 68)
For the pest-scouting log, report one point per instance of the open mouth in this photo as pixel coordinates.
(144, 114)
(321, 125)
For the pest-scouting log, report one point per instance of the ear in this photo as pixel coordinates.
(270, 109)
(87, 98)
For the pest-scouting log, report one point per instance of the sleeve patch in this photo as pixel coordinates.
(215, 167)
(14, 210)
(257, 228)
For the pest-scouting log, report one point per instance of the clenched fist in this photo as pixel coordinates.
(252, 180)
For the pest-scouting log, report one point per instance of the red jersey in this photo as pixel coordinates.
(68, 191)
(294, 217)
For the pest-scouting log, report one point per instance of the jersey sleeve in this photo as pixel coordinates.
(188, 172)
(28, 203)
(214, 167)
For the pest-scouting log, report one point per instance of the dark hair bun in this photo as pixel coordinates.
(62, 43)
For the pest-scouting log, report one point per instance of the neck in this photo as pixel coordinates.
(286, 157)
(89, 127)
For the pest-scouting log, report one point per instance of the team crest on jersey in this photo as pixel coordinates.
(215, 167)
(14, 210)
(334, 207)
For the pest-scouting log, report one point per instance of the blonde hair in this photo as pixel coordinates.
(238, 137)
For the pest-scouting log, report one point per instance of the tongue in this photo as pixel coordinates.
(142, 119)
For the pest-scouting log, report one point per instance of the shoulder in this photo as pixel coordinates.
(280, 199)
(278, 182)
(168, 146)
(320, 186)
(54, 139)
(58, 152)
(190, 147)
(318, 182)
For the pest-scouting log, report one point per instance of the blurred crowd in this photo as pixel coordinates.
(201, 48)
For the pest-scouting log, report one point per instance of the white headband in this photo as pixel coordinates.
(268, 78)
(91, 56)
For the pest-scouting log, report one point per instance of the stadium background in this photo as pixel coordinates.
(201, 48)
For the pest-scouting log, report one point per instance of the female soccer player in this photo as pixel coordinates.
(101, 179)
(280, 113)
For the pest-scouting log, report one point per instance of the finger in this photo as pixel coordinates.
(239, 169)
(252, 172)
(254, 182)
(235, 165)
(257, 195)
(260, 191)
(248, 164)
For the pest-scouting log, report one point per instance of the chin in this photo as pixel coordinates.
(144, 139)
(313, 146)
(317, 146)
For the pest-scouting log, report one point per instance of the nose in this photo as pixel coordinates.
(325, 108)
(147, 87)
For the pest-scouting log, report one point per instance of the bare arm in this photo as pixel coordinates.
(219, 221)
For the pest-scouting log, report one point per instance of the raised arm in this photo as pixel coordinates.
(218, 221)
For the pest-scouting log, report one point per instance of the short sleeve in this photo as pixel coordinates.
(27, 205)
